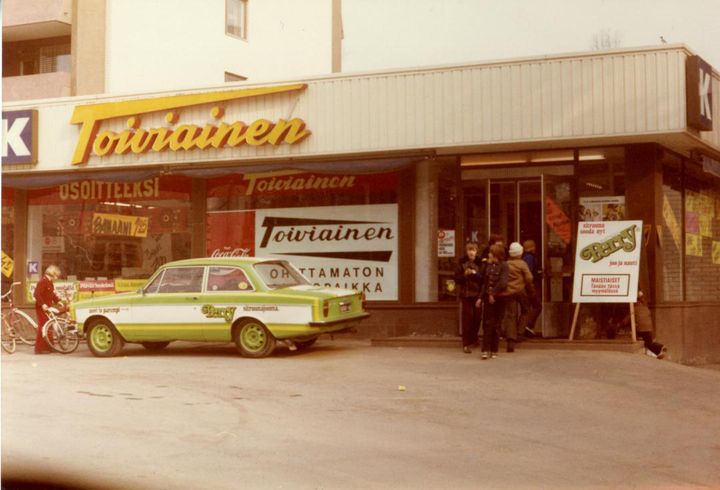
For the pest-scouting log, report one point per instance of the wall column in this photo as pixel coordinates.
(426, 224)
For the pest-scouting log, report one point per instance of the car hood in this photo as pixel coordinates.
(109, 300)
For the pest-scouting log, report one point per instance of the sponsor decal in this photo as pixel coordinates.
(20, 137)
(225, 312)
(260, 308)
(138, 140)
(607, 262)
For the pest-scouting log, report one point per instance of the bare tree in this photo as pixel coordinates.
(605, 39)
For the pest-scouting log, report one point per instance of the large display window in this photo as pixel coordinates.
(702, 234)
(104, 231)
(340, 230)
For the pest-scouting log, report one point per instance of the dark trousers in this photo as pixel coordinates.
(515, 316)
(533, 307)
(493, 314)
(654, 347)
(470, 316)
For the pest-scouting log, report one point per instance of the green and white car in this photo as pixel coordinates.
(255, 303)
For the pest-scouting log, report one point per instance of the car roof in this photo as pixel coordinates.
(221, 261)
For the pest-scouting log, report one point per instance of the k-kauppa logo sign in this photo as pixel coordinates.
(351, 247)
(607, 261)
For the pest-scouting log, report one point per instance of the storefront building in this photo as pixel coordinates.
(376, 181)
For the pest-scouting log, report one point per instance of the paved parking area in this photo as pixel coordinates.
(348, 415)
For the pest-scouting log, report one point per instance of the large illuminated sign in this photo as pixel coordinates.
(173, 137)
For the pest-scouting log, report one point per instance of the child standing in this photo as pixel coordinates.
(468, 276)
(494, 282)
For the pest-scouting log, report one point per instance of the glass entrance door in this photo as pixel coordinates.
(557, 254)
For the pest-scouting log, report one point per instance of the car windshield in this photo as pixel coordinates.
(278, 274)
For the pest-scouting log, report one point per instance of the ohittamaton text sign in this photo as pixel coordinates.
(607, 261)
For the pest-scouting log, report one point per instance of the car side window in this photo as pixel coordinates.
(228, 279)
(153, 286)
(182, 280)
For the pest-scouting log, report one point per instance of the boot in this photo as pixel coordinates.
(510, 345)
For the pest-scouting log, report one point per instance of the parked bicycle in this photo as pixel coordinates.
(16, 323)
(60, 332)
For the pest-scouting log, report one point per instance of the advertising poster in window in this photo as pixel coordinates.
(352, 247)
(607, 262)
(602, 208)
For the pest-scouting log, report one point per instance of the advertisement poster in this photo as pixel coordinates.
(119, 225)
(607, 262)
(8, 264)
(446, 243)
(602, 208)
(351, 247)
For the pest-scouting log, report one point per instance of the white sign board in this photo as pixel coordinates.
(607, 261)
(446, 243)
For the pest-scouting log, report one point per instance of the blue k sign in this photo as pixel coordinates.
(19, 138)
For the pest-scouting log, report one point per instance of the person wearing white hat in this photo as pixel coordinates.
(519, 281)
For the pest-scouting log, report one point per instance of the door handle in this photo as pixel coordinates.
(194, 298)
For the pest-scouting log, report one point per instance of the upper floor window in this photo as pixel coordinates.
(236, 18)
(36, 56)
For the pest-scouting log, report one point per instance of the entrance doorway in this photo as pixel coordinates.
(532, 208)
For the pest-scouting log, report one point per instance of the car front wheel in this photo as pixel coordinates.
(253, 339)
(103, 340)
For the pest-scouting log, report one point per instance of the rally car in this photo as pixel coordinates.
(255, 303)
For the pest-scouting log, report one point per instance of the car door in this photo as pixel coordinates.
(228, 292)
(169, 308)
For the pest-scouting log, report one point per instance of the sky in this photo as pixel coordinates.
(383, 34)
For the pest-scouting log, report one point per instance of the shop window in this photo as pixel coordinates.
(105, 231)
(601, 184)
(702, 234)
(8, 237)
(339, 230)
(671, 236)
(236, 18)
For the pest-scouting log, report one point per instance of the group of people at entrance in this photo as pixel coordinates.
(497, 288)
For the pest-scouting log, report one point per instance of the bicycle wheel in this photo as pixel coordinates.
(25, 327)
(8, 339)
(59, 336)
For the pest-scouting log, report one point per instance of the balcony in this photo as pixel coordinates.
(24, 20)
(38, 86)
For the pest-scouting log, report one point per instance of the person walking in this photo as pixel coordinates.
(519, 288)
(494, 282)
(45, 296)
(468, 275)
(534, 303)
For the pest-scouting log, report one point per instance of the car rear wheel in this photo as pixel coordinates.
(304, 344)
(155, 345)
(103, 340)
(253, 339)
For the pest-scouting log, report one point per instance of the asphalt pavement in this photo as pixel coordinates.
(346, 415)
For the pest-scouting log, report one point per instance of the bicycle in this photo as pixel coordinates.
(60, 332)
(8, 337)
(17, 323)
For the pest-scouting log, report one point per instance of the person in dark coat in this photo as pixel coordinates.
(45, 297)
(468, 275)
(495, 281)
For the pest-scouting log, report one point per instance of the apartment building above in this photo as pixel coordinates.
(36, 49)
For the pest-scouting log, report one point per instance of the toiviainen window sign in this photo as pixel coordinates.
(607, 261)
(350, 247)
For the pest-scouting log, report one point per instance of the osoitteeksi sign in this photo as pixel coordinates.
(352, 247)
(607, 262)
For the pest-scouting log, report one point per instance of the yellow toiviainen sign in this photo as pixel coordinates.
(139, 140)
